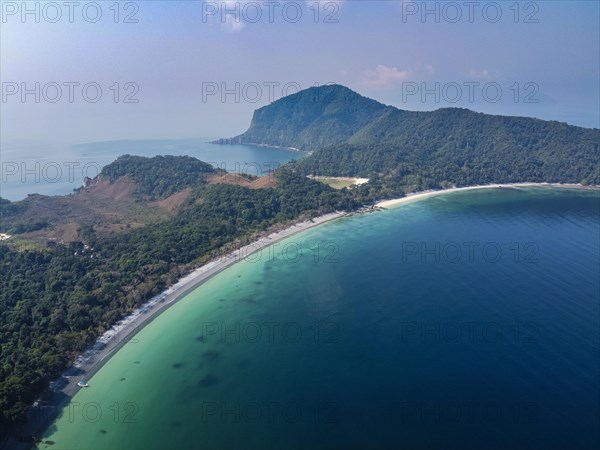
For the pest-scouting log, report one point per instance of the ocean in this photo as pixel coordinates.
(469, 320)
(57, 169)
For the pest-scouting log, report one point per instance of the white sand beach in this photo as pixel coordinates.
(89, 362)
(114, 338)
(392, 203)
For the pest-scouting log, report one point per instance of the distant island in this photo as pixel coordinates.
(72, 266)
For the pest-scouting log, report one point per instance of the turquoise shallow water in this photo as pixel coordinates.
(469, 320)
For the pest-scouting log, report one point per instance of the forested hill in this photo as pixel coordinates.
(312, 118)
(355, 136)
(457, 147)
(160, 176)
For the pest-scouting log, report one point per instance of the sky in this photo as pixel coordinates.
(106, 70)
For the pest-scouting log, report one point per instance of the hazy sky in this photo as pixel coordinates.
(175, 58)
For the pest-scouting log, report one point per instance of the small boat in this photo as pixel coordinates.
(82, 383)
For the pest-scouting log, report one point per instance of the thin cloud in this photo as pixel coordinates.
(231, 25)
(233, 22)
(480, 74)
(384, 77)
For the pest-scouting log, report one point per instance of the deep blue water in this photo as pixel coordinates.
(465, 321)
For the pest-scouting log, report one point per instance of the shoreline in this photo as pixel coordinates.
(153, 308)
(88, 364)
(225, 141)
(421, 195)
(98, 354)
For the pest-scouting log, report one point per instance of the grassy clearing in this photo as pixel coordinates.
(340, 182)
